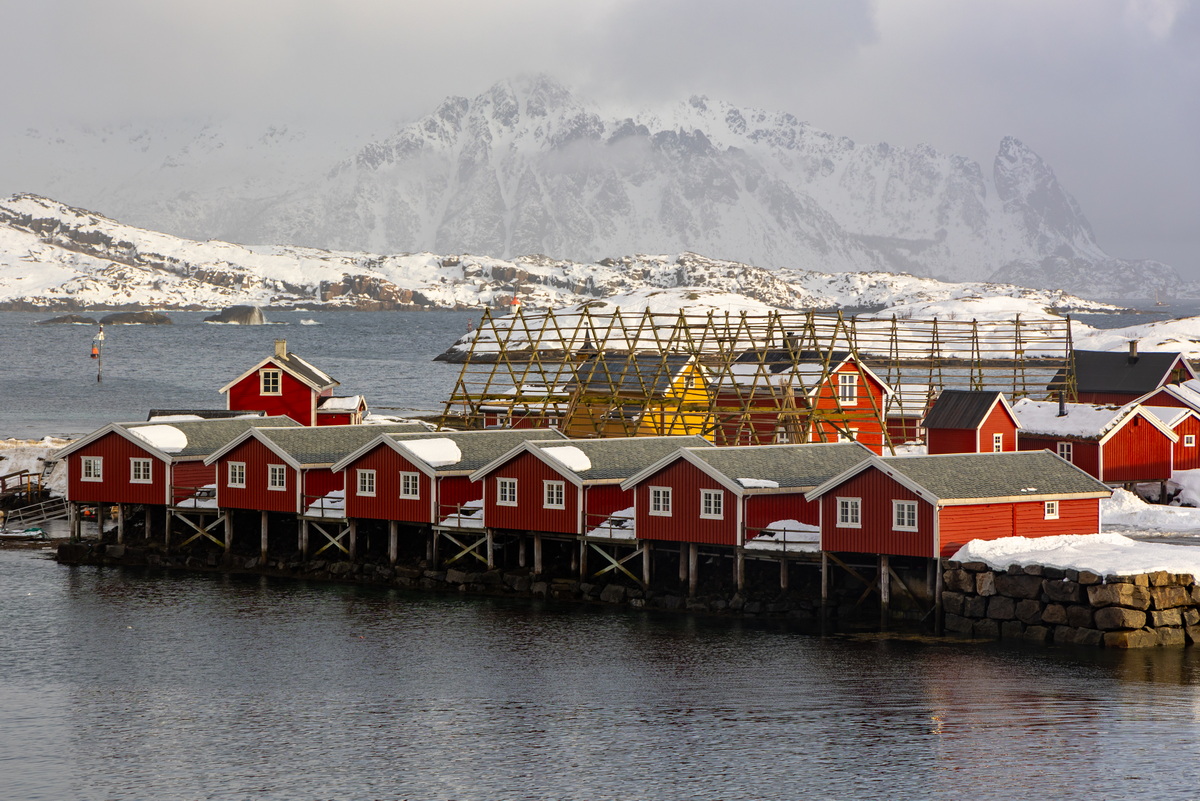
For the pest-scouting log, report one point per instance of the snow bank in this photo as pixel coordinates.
(167, 439)
(30, 454)
(787, 535)
(1128, 511)
(331, 505)
(469, 515)
(1106, 553)
(435, 452)
(1081, 419)
(576, 460)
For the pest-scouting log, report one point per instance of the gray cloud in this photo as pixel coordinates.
(1107, 91)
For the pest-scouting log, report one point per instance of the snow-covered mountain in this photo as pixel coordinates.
(56, 257)
(528, 168)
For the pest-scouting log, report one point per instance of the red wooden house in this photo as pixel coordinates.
(1115, 377)
(289, 470)
(1184, 395)
(152, 463)
(1116, 444)
(786, 396)
(962, 421)
(724, 496)
(285, 384)
(930, 506)
(425, 478)
(571, 487)
(1185, 423)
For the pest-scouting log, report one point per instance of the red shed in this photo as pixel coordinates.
(962, 421)
(1185, 423)
(1116, 377)
(929, 506)
(283, 384)
(725, 496)
(1116, 444)
(571, 487)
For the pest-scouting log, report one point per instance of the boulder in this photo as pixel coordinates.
(952, 602)
(1080, 617)
(613, 594)
(1038, 633)
(985, 583)
(1166, 617)
(1001, 607)
(957, 624)
(1139, 638)
(1087, 577)
(1029, 611)
(987, 629)
(1055, 615)
(1118, 617)
(1171, 636)
(1168, 597)
(136, 318)
(959, 581)
(1012, 630)
(974, 606)
(1063, 592)
(68, 319)
(1018, 586)
(238, 315)
(1129, 595)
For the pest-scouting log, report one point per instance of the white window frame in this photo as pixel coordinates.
(554, 495)
(660, 501)
(269, 375)
(850, 434)
(91, 468)
(366, 483)
(1189, 440)
(847, 389)
(849, 512)
(135, 463)
(235, 475)
(712, 504)
(998, 443)
(277, 477)
(1050, 510)
(1066, 451)
(782, 435)
(506, 492)
(410, 485)
(902, 512)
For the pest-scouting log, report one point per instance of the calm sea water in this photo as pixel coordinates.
(119, 684)
(123, 684)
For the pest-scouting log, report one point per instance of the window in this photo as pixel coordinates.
(997, 443)
(410, 485)
(506, 492)
(1189, 440)
(553, 493)
(848, 434)
(904, 515)
(140, 471)
(1051, 510)
(1064, 450)
(849, 513)
(848, 389)
(712, 504)
(782, 436)
(270, 382)
(236, 475)
(276, 477)
(93, 468)
(366, 483)
(660, 501)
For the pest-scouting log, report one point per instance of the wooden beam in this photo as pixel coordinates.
(537, 554)
(885, 591)
(120, 523)
(263, 542)
(393, 542)
(646, 562)
(693, 567)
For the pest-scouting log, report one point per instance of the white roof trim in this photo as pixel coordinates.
(255, 433)
(286, 369)
(114, 428)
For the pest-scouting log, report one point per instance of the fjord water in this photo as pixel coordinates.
(123, 684)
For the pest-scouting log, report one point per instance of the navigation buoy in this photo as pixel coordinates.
(95, 352)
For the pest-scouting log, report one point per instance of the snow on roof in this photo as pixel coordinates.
(348, 403)
(1107, 553)
(1170, 415)
(620, 525)
(167, 439)
(435, 451)
(576, 460)
(175, 418)
(1081, 420)
(758, 483)
(787, 535)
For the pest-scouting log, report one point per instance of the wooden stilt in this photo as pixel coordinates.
(693, 567)
(646, 561)
(739, 569)
(537, 554)
(491, 549)
(262, 550)
(352, 545)
(885, 591)
(146, 523)
(228, 534)
(824, 584)
(120, 523)
(937, 595)
(583, 549)
(683, 563)
(167, 530)
(521, 551)
(393, 542)
(783, 574)
(574, 559)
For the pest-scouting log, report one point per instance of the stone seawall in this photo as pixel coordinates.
(1076, 607)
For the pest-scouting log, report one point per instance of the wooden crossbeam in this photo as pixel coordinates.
(201, 531)
(471, 549)
(333, 541)
(616, 564)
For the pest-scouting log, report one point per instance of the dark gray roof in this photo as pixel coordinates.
(482, 447)
(1117, 371)
(995, 475)
(779, 359)
(305, 370)
(790, 466)
(960, 408)
(641, 374)
(205, 437)
(621, 457)
(321, 445)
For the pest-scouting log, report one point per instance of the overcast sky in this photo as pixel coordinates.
(1106, 91)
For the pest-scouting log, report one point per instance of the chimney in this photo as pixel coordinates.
(281, 349)
(1133, 357)
(1062, 403)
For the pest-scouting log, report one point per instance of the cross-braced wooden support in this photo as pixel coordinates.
(466, 548)
(199, 529)
(340, 538)
(615, 563)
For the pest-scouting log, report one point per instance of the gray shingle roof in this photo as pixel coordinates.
(321, 445)
(205, 437)
(960, 408)
(1115, 371)
(310, 373)
(621, 457)
(995, 475)
(790, 466)
(481, 447)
